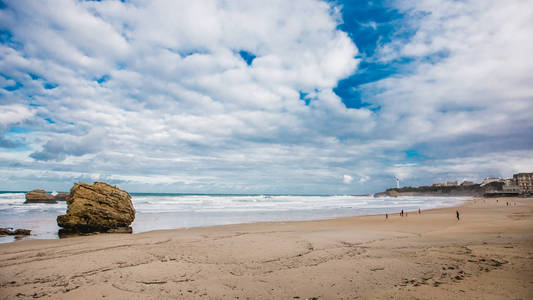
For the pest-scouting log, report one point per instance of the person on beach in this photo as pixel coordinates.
(419, 212)
(401, 213)
(386, 216)
(457, 212)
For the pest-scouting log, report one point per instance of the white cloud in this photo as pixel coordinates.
(347, 179)
(476, 79)
(12, 114)
(502, 164)
(173, 87)
(178, 108)
(364, 179)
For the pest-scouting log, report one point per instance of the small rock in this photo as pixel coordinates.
(61, 197)
(21, 231)
(6, 231)
(39, 196)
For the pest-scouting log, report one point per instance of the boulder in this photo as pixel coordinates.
(6, 231)
(39, 196)
(20, 231)
(97, 207)
(61, 197)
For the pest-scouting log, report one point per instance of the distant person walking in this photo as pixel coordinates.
(457, 213)
(419, 211)
(401, 213)
(386, 216)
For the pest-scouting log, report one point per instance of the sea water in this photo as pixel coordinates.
(168, 211)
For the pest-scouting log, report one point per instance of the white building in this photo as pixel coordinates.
(491, 179)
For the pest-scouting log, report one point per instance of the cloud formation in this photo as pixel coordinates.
(347, 179)
(239, 96)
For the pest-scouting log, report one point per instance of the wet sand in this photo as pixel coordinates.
(488, 254)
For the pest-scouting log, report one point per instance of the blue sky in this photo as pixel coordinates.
(306, 96)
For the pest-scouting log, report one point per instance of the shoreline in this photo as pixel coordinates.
(427, 256)
(141, 228)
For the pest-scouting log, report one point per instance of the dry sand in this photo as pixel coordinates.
(488, 254)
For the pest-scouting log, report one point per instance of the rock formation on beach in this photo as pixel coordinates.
(9, 231)
(61, 197)
(39, 196)
(97, 207)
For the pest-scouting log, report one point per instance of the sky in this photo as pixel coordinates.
(283, 97)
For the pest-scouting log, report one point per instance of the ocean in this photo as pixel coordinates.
(167, 211)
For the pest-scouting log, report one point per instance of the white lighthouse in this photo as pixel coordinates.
(397, 182)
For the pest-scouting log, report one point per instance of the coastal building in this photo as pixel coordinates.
(438, 184)
(490, 180)
(511, 189)
(524, 181)
(452, 183)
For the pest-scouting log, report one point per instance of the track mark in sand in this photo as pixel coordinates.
(41, 256)
(325, 255)
(91, 272)
(458, 264)
(124, 289)
(152, 282)
(223, 237)
(183, 280)
(520, 216)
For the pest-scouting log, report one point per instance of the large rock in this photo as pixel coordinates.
(97, 207)
(39, 196)
(61, 197)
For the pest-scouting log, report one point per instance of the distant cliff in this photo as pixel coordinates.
(475, 190)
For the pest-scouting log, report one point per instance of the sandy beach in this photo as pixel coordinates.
(488, 254)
